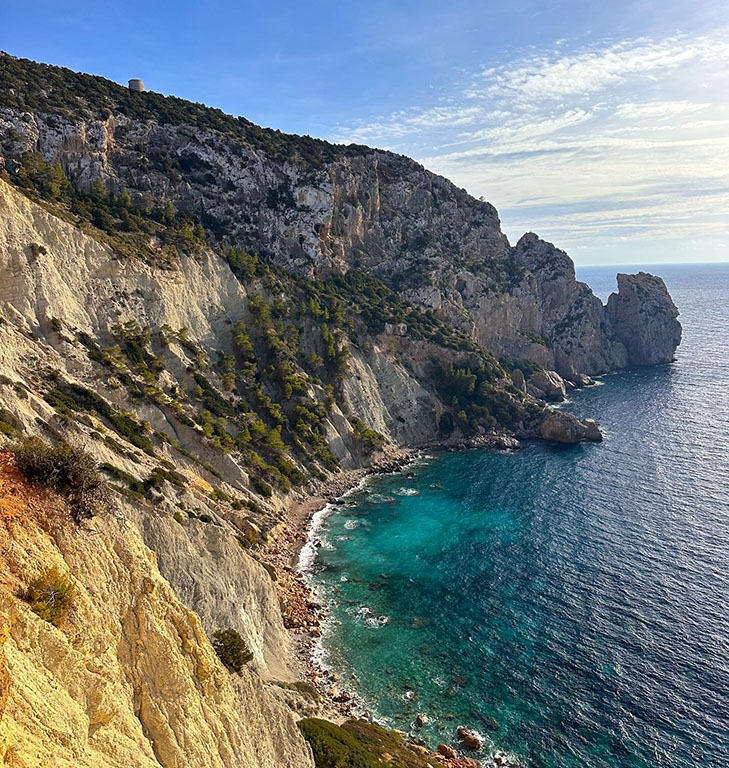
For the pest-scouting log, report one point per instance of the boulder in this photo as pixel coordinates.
(469, 739)
(561, 427)
(644, 318)
(547, 385)
(581, 380)
(421, 720)
(419, 748)
(446, 751)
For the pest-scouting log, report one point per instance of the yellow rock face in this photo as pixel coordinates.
(129, 679)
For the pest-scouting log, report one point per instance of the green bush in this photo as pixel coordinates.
(231, 649)
(333, 747)
(9, 425)
(359, 744)
(51, 596)
(260, 486)
(300, 686)
(369, 438)
(65, 468)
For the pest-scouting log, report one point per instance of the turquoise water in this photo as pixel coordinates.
(570, 604)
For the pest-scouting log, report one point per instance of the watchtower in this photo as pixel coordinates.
(136, 85)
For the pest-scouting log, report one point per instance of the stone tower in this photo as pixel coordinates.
(136, 85)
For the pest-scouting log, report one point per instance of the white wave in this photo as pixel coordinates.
(307, 556)
(371, 619)
(380, 498)
(407, 492)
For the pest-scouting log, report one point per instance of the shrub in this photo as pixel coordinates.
(369, 438)
(51, 596)
(260, 486)
(65, 468)
(359, 744)
(37, 250)
(9, 425)
(300, 686)
(231, 649)
(333, 747)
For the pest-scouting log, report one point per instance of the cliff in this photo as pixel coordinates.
(317, 209)
(225, 317)
(129, 677)
(645, 319)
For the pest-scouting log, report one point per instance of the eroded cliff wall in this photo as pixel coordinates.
(316, 209)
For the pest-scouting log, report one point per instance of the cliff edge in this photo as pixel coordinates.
(645, 319)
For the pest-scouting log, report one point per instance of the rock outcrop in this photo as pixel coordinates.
(317, 209)
(129, 678)
(547, 385)
(561, 427)
(645, 319)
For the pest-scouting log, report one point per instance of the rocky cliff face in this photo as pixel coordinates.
(644, 318)
(215, 388)
(129, 678)
(317, 209)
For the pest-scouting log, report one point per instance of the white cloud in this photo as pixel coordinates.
(406, 122)
(520, 129)
(622, 142)
(546, 78)
(657, 110)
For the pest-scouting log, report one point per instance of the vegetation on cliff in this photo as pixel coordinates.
(28, 86)
(65, 468)
(359, 744)
(267, 399)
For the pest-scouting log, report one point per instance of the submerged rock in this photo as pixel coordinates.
(644, 318)
(561, 427)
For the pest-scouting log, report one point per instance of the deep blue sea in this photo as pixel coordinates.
(571, 604)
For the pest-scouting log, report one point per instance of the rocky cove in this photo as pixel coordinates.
(237, 325)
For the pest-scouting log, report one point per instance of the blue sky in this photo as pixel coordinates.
(603, 126)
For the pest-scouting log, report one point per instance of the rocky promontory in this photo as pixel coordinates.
(228, 321)
(645, 319)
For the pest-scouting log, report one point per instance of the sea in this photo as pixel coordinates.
(570, 604)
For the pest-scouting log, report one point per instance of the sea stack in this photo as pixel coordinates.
(644, 318)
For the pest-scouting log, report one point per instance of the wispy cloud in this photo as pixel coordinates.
(658, 110)
(620, 142)
(545, 78)
(406, 122)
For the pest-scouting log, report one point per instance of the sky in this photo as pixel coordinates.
(602, 126)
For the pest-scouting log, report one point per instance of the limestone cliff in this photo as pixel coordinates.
(129, 678)
(318, 209)
(644, 318)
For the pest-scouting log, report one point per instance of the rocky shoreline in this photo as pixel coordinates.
(303, 615)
